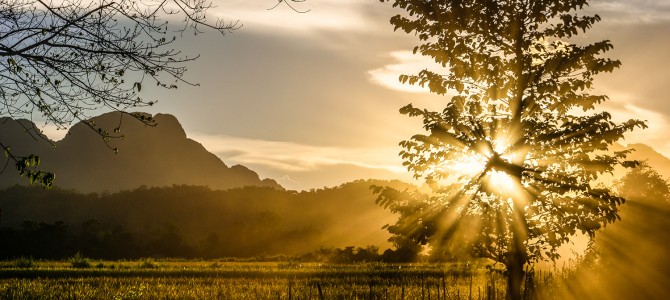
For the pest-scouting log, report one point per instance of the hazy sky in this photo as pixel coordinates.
(312, 100)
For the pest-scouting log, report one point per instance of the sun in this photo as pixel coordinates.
(490, 168)
(469, 165)
(502, 181)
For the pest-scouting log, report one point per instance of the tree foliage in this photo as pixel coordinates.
(517, 149)
(240, 222)
(643, 182)
(60, 60)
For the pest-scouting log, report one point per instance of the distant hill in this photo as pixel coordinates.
(643, 152)
(149, 156)
(239, 222)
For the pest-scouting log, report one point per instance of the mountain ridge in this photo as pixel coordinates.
(644, 153)
(152, 156)
(82, 162)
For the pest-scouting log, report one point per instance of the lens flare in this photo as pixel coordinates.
(502, 181)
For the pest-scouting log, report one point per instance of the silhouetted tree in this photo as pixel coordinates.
(637, 244)
(62, 59)
(406, 250)
(643, 182)
(509, 155)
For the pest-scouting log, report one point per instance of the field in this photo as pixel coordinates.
(150, 279)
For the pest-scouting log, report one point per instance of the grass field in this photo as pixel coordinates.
(150, 279)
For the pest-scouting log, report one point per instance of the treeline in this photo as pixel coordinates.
(56, 241)
(192, 222)
(637, 246)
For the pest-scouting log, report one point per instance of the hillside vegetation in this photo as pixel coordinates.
(190, 221)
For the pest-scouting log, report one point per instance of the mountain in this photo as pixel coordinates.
(23, 138)
(151, 156)
(643, 152)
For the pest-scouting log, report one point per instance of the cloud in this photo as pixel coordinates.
(340, 15)
(655, 135)
(404, 62)
(287, 178)
(301, 167)
(294, 157)
(633, 11)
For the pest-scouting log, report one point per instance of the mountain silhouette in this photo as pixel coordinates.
(643, 152)
(157, 156)
(147, 156)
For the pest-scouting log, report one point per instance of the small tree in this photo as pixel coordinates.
(510, 160)
(644, 183)
(63, 59)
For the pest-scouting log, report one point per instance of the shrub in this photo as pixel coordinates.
(148, 263)
(79, 261)
(24, 262)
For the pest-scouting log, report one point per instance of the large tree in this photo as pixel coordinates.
(514, 156)
(64, 59)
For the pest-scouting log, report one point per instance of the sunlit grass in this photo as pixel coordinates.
(242, 280)
(214, 279)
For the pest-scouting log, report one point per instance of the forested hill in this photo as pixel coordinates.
(150, 156)
(190, 221)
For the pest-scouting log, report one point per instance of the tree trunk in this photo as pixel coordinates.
(515, 277)
(517, 256)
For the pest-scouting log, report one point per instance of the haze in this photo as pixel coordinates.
(312, 99)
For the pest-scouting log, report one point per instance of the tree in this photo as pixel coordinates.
(510, 160)
(644, 224)
(644, 183)
(63, 59)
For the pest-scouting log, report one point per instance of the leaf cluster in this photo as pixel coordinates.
(64, 59)
(60, 61)
(27, 167)
(519, 83)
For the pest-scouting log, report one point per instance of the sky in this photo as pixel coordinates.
(311, 99)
